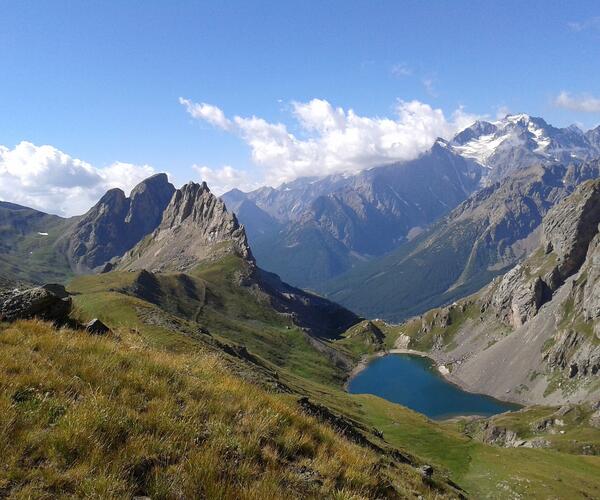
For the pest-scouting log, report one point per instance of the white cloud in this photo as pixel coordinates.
(583, 103)
(429, 85)
(502, 111)
(48, 179)
(593, 23)
(207, 112)
(224, 179)
(335, 139)
(401, 70)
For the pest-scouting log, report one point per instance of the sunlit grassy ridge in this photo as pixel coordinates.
(114, 418)
(238, 315)
(230, 312)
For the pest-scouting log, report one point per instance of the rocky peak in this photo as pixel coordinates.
(521, 140)
(475, 131)
(113, 200)
(593, 136)
(194, 202)
(195, 227)
(115, 224)
(148, 201)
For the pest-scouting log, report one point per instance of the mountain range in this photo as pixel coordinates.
(314, 229)
(216, 362)
(379, 226)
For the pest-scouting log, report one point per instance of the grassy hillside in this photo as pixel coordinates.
(210, 299)
(27, 245)
(114, 417)
(485, 471)
(208, 310)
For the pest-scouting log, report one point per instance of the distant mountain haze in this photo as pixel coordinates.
(321, 233)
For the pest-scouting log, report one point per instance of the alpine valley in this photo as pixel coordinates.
(174, 344)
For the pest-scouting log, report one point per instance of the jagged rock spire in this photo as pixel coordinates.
(116, 223)
(195, 227)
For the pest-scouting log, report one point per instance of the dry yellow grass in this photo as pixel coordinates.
(113, 418)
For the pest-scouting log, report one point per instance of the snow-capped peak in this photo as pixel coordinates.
(485, 142)
(521, 117)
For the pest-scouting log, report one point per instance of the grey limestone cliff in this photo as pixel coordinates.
(195, 227)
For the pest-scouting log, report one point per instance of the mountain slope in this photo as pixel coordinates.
(168, 424)
(36, 247)
(195, 226)
(532, 334)
(27, 245)
(314, 229)
(483, 237)
(197, 229)
(324, 226)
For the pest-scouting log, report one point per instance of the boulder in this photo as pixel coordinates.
(49, 302)
(426, 471)
(96, 327)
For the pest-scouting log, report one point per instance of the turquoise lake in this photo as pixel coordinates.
(413, 381)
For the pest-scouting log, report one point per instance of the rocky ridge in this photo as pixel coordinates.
(532, 335)
(115, 224)
(195, 227)
(313, 229)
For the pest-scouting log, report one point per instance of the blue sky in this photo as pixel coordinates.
(101, 81)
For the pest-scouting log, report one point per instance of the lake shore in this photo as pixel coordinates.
(368, 358)
(440, 368)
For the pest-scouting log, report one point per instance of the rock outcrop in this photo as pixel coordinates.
(96, 327)
(195, 227)
(567, 232)
(48, 302)
(570, 226)
(517, 297)
(116, 223)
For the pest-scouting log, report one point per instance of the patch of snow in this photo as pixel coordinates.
(43, 234)
(482, 148)
(538, 136)
(517, 118)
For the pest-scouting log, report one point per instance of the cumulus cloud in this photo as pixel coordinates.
(583, 103)
(334, 139)
(224, 179)
(206, 112)
(48, 179)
